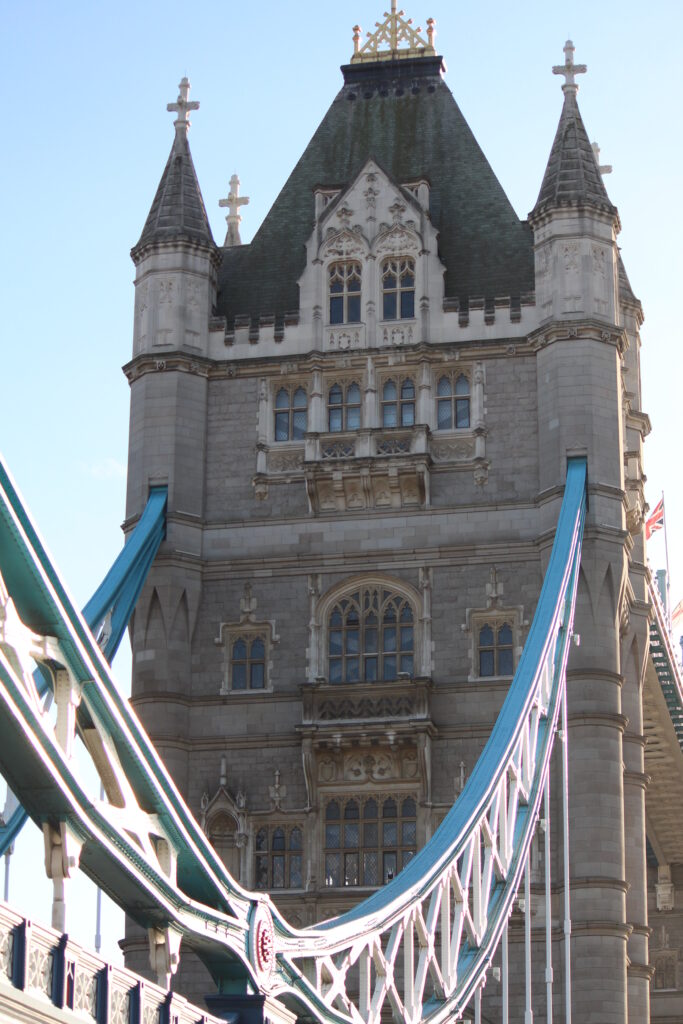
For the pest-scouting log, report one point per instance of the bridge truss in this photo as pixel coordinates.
(421, 947)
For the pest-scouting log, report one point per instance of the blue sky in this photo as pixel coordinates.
(87, 136)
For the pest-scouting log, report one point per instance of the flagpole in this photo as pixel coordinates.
(668, 574)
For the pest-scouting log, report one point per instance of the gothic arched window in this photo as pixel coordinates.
(343, 407)
(278, 857)
(495, 649)
(398, 289)
(398, 404)
(344, 283)
(368, 842)
(370, 637)
(290, 414)
(453, 403)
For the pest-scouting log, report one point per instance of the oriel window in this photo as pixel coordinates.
(371, 637)
(343, 407)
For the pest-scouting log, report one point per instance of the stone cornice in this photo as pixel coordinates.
(584, 329)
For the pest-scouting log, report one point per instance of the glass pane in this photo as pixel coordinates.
(332, 869)
(262, 839)
(335, 670)
(335, 641)
(239, 651)
(370, 869)
(462, 386)
(332, 837)
(296, 838)
(407, 414)
(389, 638)
(389, 306)
(257, 677)
(505, 635)
(258, 650)
(352, 670)
(406, 638)
(407, 305)
(239, 677)
(351, 869)
(354, 309)
(332, 811)
(335, 396)
(281, 426)
(407, 663)
(407, 389)
(353, 278)
(443, 388)
(371, 670)
(389, 391)
(505, 662)
(389, 808)
(406, 857)
(299, 399)
(389, 415)
(406, 613)
(278, 839)
(299, 424)
(261, 872)
(278, 872)
(370, 834)
(370, 809)
(336, 309)
(486, 637)
(371, 640)
(408, 808)
(295, 876)
(443, 414)
(407, 277)
(353, 395)
(389, 871)
(390, 280)
(335, 420)
(352, 641)
(351, 812)
(462, 412)
(486, 663)
(282, 399)
(390, 833)
(408, 833)
(351, 836)
(353, 417)
(389, 669)
(336, 616)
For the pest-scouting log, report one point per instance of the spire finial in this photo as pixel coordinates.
(233, 201)
(182, 106)
(569, 69)
(397, 33)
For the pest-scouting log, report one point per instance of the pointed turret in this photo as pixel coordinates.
(178, 211)
(573, 176)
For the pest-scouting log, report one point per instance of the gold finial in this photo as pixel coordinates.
(399, 37)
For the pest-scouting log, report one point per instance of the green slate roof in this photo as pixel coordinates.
(177, 212)
(401, 114)
(572, 176)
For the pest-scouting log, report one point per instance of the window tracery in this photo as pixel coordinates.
(370, 637)
(398, 403)
(453, 402)
(367, 842)
(278, 857)
(344, 407)
(495, 649)
(344, 283)
(398, 288)
(291, 414)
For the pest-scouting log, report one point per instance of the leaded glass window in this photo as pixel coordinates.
(495, 649)
(344, 407)
(248, 663)
(371, 636)
(344, 284)
(278, 857)
(453, 403)
(398, 289)
(398, 404)
(291, 414)
(368, 842)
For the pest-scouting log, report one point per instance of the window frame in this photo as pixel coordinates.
(350, 412)
(359, 646)
(457, 403)
(290, 411)
(401, 403)
(385, 851)
(398, 267)
(496, 617)
(278, 858)
(345, 299)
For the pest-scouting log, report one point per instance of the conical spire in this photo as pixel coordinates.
(178, 212)
(572, 177)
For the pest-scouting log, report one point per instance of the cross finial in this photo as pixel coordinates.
(603, 168)
(397, 34)
(182, 106)
(233, 202)
(569, 69)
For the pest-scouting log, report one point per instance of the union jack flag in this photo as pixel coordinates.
(656, 520)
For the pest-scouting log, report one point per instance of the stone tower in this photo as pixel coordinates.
(364, 418)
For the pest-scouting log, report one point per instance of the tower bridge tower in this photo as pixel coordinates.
(363, 418)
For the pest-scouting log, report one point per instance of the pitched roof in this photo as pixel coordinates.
(177, 212)
(401, 113)
(572, 176)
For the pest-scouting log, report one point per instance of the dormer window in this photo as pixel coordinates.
(398, 289)
(398, 404)
(344, 282)
(290, 414)
(453, 403)
(343, 407)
